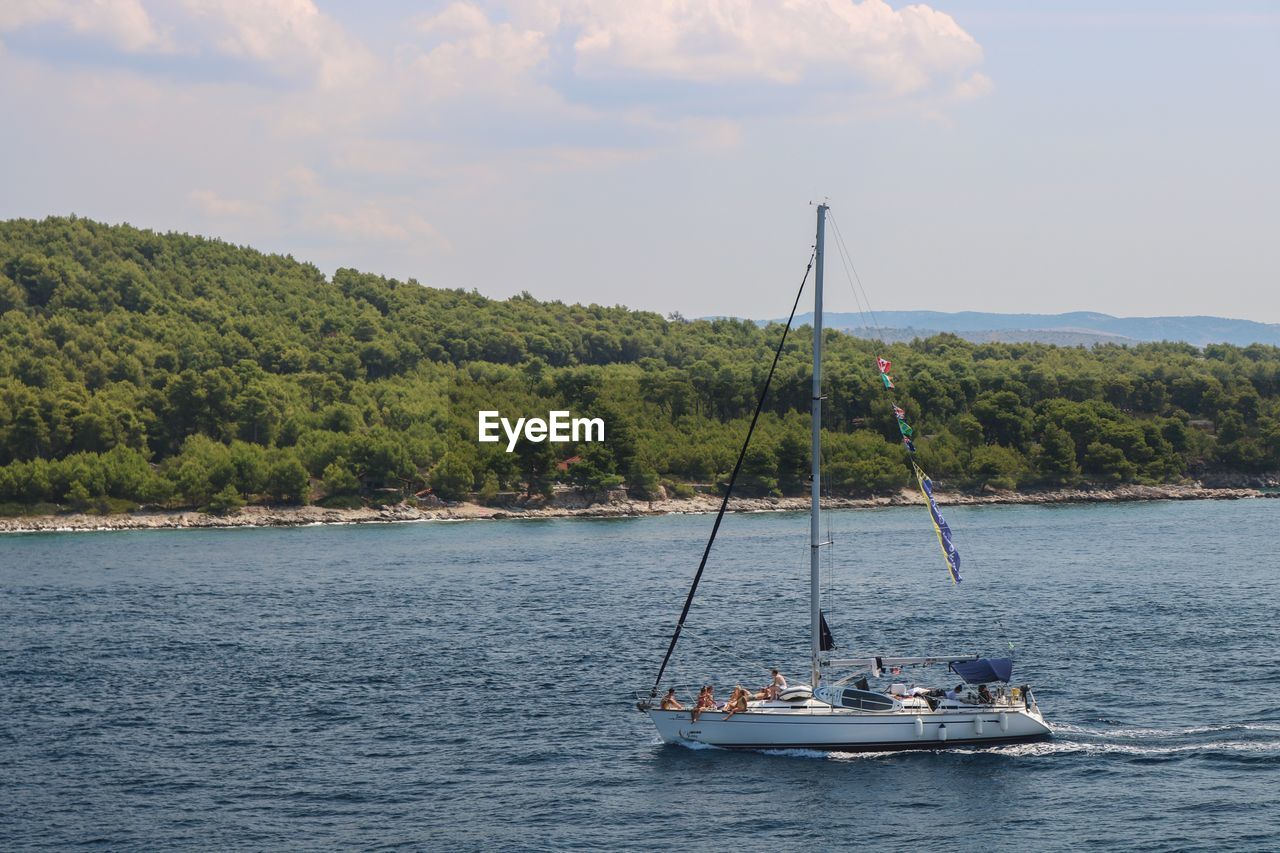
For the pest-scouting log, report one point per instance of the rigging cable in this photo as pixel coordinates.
(741, 661)
(851, 275)
(828, 577)
(846, 258)
(715, 528)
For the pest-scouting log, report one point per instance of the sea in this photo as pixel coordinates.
(470, 685)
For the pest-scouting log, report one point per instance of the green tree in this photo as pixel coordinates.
(287, 480)
(452, 478)
(793, 463)
(250, 464)
(339, 479)
(258, 418)
(996, 466)
(385, 460)
(226, 502)
(642, 481)
(78, 495)
(1055, 457)
(537, 466)
(489, 489)
(759, 474)
(1106, 462)
(12, 296)
(594, 471)
(200, 470)
(39, 277)
(29, 435)
(1003, 418)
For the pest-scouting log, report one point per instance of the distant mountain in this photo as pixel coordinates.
(1057, 337)
(1075, 328)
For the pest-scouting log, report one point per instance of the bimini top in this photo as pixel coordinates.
(983, 670)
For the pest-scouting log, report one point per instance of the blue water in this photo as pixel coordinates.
(465, 685)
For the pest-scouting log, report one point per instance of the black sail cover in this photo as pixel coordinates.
(826, 642)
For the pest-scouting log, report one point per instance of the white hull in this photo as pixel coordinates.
(838, 729)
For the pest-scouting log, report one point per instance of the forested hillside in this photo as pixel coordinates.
(141, 368)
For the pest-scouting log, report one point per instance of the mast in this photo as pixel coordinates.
(815, 540)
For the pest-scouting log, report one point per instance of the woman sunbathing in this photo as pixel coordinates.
(737, 702)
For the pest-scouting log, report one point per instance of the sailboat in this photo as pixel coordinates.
(839, 710)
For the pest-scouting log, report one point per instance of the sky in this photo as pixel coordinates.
(977, 155)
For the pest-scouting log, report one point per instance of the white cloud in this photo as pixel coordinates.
(300, 198)
(975, 85)
(124, 24)
(833, 44)
(467, 52)
(220, 208)
(377, 223)
(784, 42)
(579, 62)
(272, 123)
(290, 37)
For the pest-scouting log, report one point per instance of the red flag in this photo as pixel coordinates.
(883, 364)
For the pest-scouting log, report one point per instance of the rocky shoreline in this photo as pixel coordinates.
(571, 505)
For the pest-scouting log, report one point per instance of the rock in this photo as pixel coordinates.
(613, 505)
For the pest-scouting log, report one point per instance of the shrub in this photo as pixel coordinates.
(225, 502)
(339, 480)
(287, 480)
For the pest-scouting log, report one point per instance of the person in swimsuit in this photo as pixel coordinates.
(737, 702)
(670, 702)
(706, 702)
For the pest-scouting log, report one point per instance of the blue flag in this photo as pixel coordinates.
(940, 527)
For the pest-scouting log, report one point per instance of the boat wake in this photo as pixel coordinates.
(1175, 742)
(686, 744)
(1066, 747)
(796, 753)
(1140, 732)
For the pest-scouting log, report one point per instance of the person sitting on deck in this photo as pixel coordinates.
(957, 694)
(670, 702)
(773, 689)
(737, 701)
(984, 695)
(706, 702)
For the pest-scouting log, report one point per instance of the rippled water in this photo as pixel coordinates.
(466, 685)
